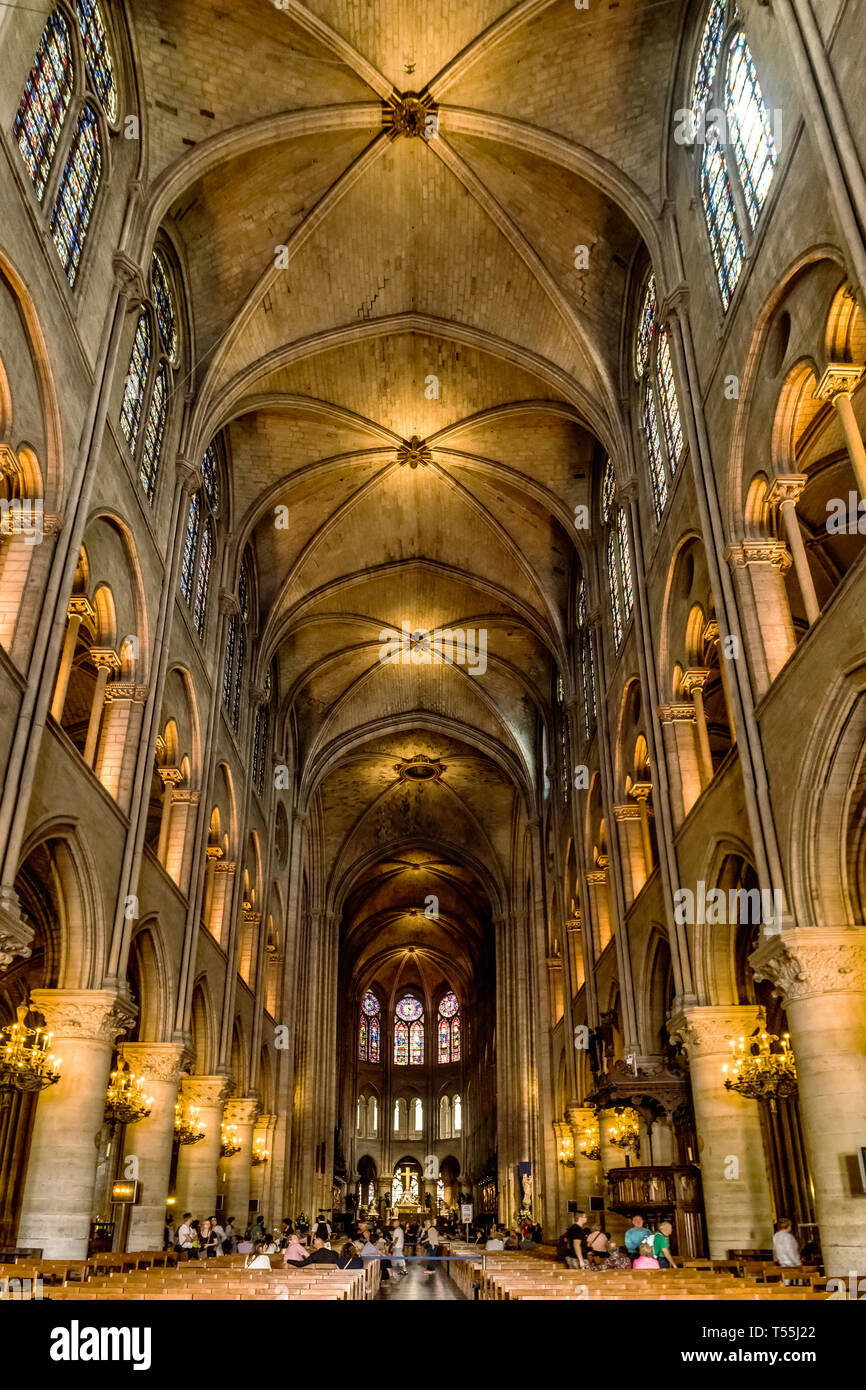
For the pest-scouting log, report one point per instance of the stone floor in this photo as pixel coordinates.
(418, 1286)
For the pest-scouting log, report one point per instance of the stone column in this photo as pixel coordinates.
(642, 791)
(820, 973)
(759, 568)
(242, 1114)
(836, 385)
(121, 727)
(634, 874)
(730, 1148)
(588, 1173)
(678, 721)
(694, 681)
(79, 609)
(150, 1141)
(263, 1139)
(178, 851)
(170, 778)
(597, 887)
(61, 1172)
(106, 661)
(221, 910)
(611, 1157)
(197, 1163)
(213, 854)
(785, 490)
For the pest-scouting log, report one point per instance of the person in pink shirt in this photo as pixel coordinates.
(645, 1258)
(294, 1252)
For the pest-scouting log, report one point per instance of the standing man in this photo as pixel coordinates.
(635, 1238)
(577, 1237)
(185, 1235)
(661, 1246)
(398, 1237)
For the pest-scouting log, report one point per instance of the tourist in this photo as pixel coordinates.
(537, 1234)
(512, 1241)
(615, 1258)
(349, 1256)
(322, 1254)
(662, 1248)
(596, 1244)
(323, 1230)
(431, 1244)
(269, 1245)
(256, 1232)
(635, 1238)
(494, 1241)
(195, 1226)
(786, 1251)
(209, 1239)
(398, 1237)
(577, 1236)
(257, 1259)
(220, 1234)
(169, 1238)
(645, 1257)
(185, 1235)
(293, 1251)
(230, 1244)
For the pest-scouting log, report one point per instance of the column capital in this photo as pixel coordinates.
(126, 690)
(129, 277)
(244, 1110)
(596, 876)
(154, 1061)
(188, 474)
(79, 606)
(170, 776)
(676, 301)
(695, 678)
(679, 713)
(641, 791)
(628, 811)
(707, 1030)
(226, 866)
(10, 465)
(15, 934)
(762, 551)
(228, 603)
(94, 1015)
(805, 961)
(839, 379)
(210, 1091)
(105, 656)
(786, 487)
(185, 796)
(213, 852)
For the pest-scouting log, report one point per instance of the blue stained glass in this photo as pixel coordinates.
(449, 1006)
(587, 670)
(70, 216)
(362, 1040)
(670, 405)
(190, 546)
(239, 678)
(608, 485)
(136, 380)
(45, 101)
(401, 1044)
(645, 328)
(98, 55)
(204, 564)
(228, 668)
(163, 300)
(625, 562)
(257, 740)
(370, 1004)
(153, 432)
(654, 448)
(244, 593)
(708, 57)
(374, 1038)
(416, 1045)
(210, 476)
(263, 748)
(409, 1009)
(749, 127)
(615, 609)
(721, 217)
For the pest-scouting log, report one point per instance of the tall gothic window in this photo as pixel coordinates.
(260, 737)
(409, 1032)
(369, 1029)
(199, 541)
(236, 648)
(738, 152)
(147, 390)
(76, 195)
(655, 376)
(97, 53)
(586, 661)
(45, 101)
(617, 557)
(448, 1029)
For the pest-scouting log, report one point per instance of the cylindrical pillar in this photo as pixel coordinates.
(242, 1115)
(61, 1171)
(731, 1152)
(106, 662)
(61, 685)
(197, 1163)
(149, 1142)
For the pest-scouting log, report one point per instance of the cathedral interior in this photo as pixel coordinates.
(431, 462)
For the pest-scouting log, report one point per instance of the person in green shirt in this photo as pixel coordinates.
(662, 1248)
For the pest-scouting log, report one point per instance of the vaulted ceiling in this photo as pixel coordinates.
(427, 289)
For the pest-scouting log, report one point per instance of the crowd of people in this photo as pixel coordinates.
(587, 1247)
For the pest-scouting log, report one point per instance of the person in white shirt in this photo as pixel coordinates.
(397, 1239)
(786, 1251)
(495, 1242)
(185, 1233)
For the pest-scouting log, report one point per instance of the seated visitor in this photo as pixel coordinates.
(615, 1258)
(494, 1241)
(322, 1254)
(294, 1252)
(349, 1257)
(636, 1236)
(646, 1259)
(596, 1244)
(257, 1259)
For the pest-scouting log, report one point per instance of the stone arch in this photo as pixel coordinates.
(57, 853)
(203, 1028)
(151, 982)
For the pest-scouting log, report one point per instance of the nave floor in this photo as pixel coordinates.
(418, 1287)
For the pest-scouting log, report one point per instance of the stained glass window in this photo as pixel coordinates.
(749, 127)
(645, 328)
(163, 300)
(401, 1044)
(625, 562)
(708, 57)
(190, 545)
(228, 669)
(720, 213)
(416, 1044)
(263, 748)
(608, 485)
(615, 608)
(444, 1040)
(670, 406)
(368, 1028)
(257, 748)
(457, 1115)
(587, 670)
(244, 594)
(70, 216)
(98, 55)
(45, 101)
(239, 677)
(654, 449)
(136, 380)
(204, 564)
(409, 1009)
(153, 432)
(448, 1030)
(210, 476)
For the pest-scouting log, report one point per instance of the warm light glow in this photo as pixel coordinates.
(26, 1060)
(758, 1072)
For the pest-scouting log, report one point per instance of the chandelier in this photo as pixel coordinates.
(566, 1151)
(188, 1128)
(26, 1060)
(125, 1101)
(260, 1153)
(757, 1072)
(590, 1143)
(625, 1133)
(230, 1144)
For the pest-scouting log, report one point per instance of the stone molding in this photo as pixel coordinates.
(126, 690)
(15, 934)
(676, 714)
(242, 1111)
(207, 1091)
(759, 552)
(93, 1015)
(786, 487)
(803, 962)
(154, 1061)
(628, 811)
(708, 1029)
(840, 378)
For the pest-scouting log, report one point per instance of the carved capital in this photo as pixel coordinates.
(15, 934)
(185, 796)
(170, 776)
(105, 656)
(708, 1031)
(207, 1091)
(597, 876)
(93, 1015)
(10, 464)
(839, 379)
(676, 714)
(213, 852)
(786, 487)
(258, 696)
(81, 607)
(188, 474)
(806, 961)
(129, 278)
(675, 302)
(126, 690)
(154, 1061)
(695, 679)
(226, 866)
(229, 605)
(628, 811)
(641, 791)
(759, 552)
(242, 1111)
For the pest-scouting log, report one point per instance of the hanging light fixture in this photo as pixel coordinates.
(625, 1132)
(758, 1072)
(260, 1153)
(125, 1101)
(26, 1060)
(230, 1144)
(590, 1142)
(188, 1128)
(566, 1149)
